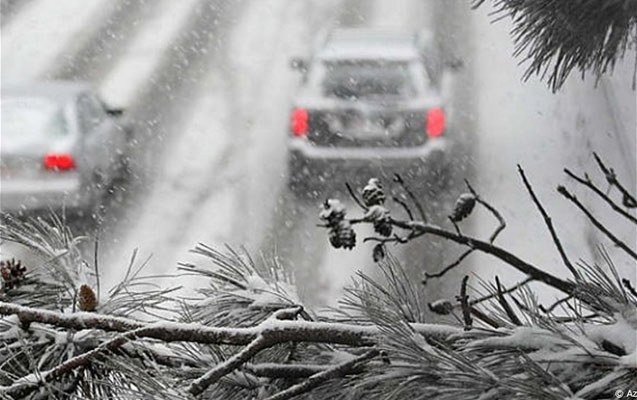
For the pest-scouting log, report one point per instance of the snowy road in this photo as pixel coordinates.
(208, 87)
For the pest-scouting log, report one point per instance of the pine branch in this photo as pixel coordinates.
(317, 379)
(25, 386)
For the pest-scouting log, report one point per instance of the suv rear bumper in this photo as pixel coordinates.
(312, 168)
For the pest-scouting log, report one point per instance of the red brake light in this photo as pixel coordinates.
(299, 122)
(435, 125)
(58, 161)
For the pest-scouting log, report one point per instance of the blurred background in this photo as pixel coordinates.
(207, 88)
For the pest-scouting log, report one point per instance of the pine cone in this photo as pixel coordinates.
(373, 193)
(86, 299)
(379, 216)
(441, 307)
(463, 207)
(333, 212)
(12, 272)
(342, 235)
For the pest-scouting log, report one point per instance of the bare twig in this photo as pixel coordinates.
(509, 290)
(494, 235)
(404, 206)
(505, 304)
(317, 379)
(611, 177)
(398, 179)
(586, 181)
(288, 371)
(353, 195)
(573, 199)
(464, 302)
(484, 318)
(491, 249)
(552, 307)
(95, 264)
(549, 224)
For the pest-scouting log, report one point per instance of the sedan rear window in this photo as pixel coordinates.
(32, 120)
(364, 80)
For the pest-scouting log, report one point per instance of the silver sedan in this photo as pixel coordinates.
(60, 148)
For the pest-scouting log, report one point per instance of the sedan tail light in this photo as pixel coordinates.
(58, 161)
(435, 125)
(299, 122)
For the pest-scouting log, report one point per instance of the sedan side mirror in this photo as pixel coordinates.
(299, 64)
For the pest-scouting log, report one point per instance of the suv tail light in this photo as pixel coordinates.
(299, 122)
(58, 161)
(435, 124)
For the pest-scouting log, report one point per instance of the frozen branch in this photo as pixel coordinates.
(628, 199)
(317, 379)
(25, 386)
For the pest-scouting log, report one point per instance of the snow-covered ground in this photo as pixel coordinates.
(210, 90)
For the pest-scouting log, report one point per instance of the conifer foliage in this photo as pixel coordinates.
(555, 37)
(247, 334)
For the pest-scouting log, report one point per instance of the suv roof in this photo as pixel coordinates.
(366, 44)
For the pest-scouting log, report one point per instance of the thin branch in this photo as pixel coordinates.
(484, 318)
(95, 264)
(405, 207)
(552, 307)
(491, 249)
(573, 199)
(352, 193)
(317, 379)
(586, 181)
(501, 221)
(611, 177)
(398, 179)
(501, 226)
(464, 302)
(199, 385)
(549, 224)
(509, 290)
(505, 304)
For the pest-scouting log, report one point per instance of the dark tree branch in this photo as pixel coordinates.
(549, 224)
(554, 305)
(464, 302)
(501, 226)
(505, 304)
(573, 199)
(352, 193)
(611, 177)
(405, 207)
(318, 378)
(491, 249)
(586, 181)
(398, 179)
(506, 291)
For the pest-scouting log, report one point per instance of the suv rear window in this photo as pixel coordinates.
(367, 79)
